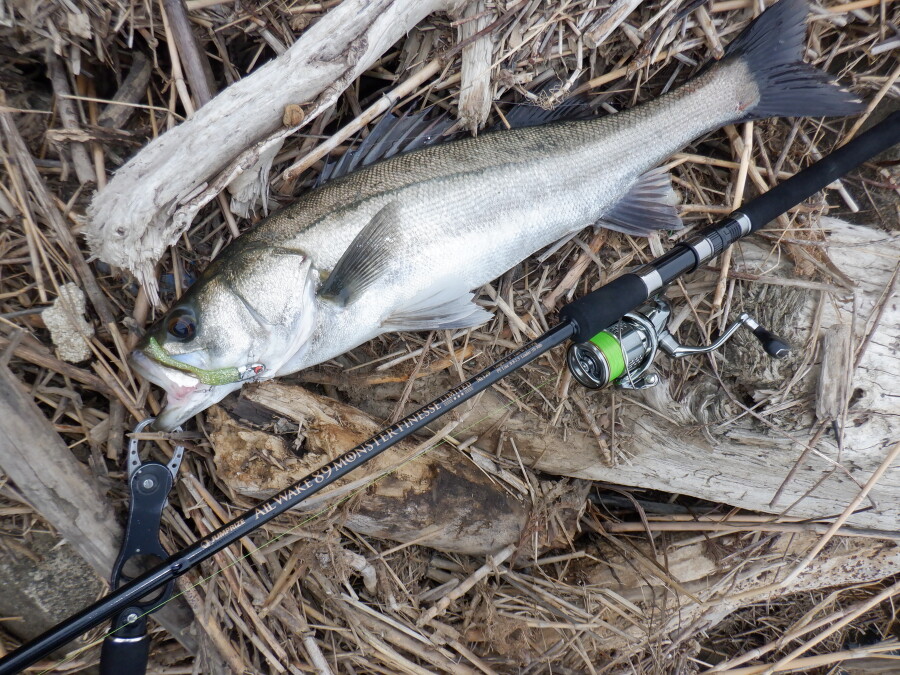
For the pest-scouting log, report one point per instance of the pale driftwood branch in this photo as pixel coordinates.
(711, 589)
(59, 488)
(140, 212)
(475, 84)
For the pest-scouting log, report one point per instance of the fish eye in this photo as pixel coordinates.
(182, 325)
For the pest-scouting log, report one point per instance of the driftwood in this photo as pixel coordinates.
(59, 487)
(152, 199)
(444, 499)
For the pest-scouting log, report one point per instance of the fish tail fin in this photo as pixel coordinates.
(772, 48)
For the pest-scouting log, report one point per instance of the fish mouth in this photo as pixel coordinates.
(185, 394)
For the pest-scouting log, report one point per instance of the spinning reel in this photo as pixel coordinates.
(623, 353)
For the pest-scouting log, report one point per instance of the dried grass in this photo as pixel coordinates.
(322, 599)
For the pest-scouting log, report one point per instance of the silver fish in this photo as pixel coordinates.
(400, 244)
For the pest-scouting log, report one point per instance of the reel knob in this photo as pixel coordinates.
(771, 343)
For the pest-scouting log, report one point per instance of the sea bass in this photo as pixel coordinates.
(401, 244)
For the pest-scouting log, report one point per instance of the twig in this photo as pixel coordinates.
(69, 117)
(384, 104)
(193, 59)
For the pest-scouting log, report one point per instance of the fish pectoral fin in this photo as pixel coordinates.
(648, 206)
(444, 309)
(365, 260)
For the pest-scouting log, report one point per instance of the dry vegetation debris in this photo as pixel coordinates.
(85, 83)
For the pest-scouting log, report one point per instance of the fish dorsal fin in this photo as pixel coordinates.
(447, 308)
(532, 114)
(365, 260)
(393, 135)
(649, 205)
(399, 134)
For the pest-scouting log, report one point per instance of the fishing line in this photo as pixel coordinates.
(445, 439)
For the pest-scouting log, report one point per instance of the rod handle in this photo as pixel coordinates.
(600, 309)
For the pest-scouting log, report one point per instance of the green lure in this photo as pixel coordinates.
(213, 377)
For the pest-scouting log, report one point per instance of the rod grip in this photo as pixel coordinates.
(600, 309)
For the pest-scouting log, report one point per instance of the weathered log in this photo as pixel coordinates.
(441, 499)
(744, 462)
(42, 580)
(152, 199)
(59, 488)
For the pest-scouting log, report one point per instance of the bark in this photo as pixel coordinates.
(153, 199)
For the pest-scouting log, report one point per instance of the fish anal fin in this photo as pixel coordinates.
(365, 260)
(445, 309)
(649, 205)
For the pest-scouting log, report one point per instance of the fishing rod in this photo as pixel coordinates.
(616, 330)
